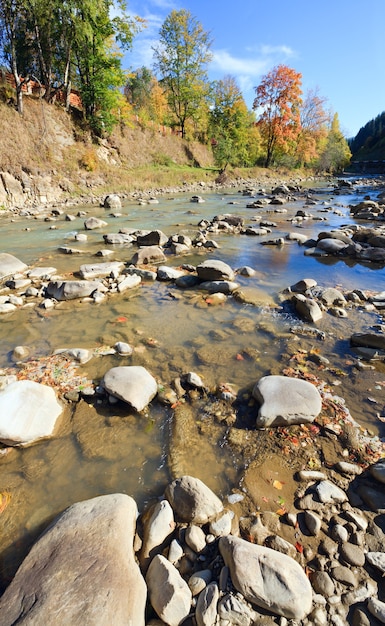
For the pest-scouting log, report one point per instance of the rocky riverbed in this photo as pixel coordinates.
(304, 492)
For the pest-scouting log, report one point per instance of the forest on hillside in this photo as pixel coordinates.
(369, 143)
(79, 45)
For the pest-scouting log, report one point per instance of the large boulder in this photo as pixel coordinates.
(267, 578)
(192, 501)
(112, 201)
(9, 265)
(28, 412)
(212, 269)
(132, 384)
(82, 570)
(307, 308)
(72, 289)
(286, 401)
(91, 223)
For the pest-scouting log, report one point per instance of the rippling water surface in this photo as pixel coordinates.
(101, 449)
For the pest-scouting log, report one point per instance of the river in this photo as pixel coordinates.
(105, 449)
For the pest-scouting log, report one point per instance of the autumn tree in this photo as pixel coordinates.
(231, 125)
(336, 153)
(181, 59)
(277, 102)
(146, 96)
(314, 122)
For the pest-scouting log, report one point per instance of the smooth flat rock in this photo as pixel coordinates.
(192, 500)
(71, 289)
(148, 254)
(267, 578)
(100, 270)
(82, 570)
(9, 265)
(28, 412)
(132, 384)
(285, 401)
(117, 239)
(41, 273)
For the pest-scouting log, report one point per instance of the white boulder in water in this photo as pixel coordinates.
(28, 412)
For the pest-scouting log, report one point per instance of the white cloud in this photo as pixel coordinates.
(225, 62)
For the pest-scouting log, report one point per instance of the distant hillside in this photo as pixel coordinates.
(369, 143)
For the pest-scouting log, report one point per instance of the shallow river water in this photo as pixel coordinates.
(100, 449)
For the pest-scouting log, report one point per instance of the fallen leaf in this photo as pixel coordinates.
(121, 319)
(277, 484)
(299, 547)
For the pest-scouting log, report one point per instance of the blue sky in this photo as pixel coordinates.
(337, 45)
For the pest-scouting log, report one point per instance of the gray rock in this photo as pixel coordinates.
(219, 286)
(213, 269)
(199, 580)
(368, 340)
(152, 238)
(339, 533)
(123, 349)
(377, 609)
(112, 201)
(28, 412)
(329, 493)
(7, 307)
(186, 281)
(307, 308)
(378, 471)
(235, 610)
(221, 526)
(9, 265)
(303, 285)
(377, 559)
(331, 296)
(352, 554)
(169, 594)
(91, 223)
(206, 608)
(269, 579)
(164, 272)
(148, 254)
(350, 469)
(129, 282)
(195, 538)
(331, 245)
(132, 384)
(313, 523)
(175, 552)
(286, 401)
(72, 289)
(118, 239)
(82, 570)
(344, 575)
(101, 270)
(41, 273)
(322, 583)
(158, 526)
(192, 501)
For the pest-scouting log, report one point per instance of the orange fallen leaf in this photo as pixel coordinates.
(281, 511)
(121, 319)
(265, 499)
(299, 547)
(277, 484)
(239, 357)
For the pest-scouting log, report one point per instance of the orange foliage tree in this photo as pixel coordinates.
(278, 101)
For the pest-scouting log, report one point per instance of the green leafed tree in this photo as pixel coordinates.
(13, 18)
(232, 126)
(336, 154)
(181, 59)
